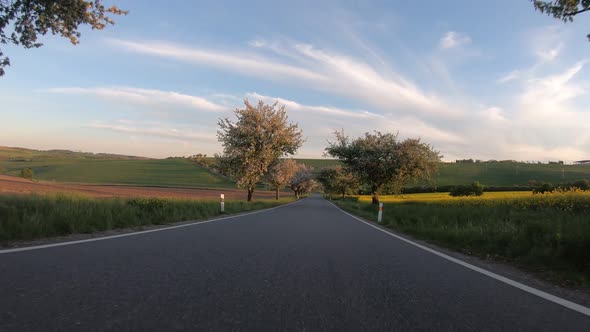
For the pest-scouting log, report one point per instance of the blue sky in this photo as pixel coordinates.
(475, 79)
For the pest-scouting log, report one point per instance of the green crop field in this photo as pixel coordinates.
(76, 168)
(509, 174)
(31, 217)
(68, 166)
(491, 174)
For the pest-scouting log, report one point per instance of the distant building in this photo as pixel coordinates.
(582, 162)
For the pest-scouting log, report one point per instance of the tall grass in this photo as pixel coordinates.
(549, 233)
(28, 217)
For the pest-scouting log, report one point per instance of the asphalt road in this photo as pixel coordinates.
(303, 267)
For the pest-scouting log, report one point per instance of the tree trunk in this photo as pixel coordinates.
(250, 193)
(277, 193)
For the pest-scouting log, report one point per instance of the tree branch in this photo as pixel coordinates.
(576, 12)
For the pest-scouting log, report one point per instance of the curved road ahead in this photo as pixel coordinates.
(303, 267)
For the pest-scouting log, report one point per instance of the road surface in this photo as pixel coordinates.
(302, 267)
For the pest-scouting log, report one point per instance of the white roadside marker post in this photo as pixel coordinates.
(380, 215)
(222, 203)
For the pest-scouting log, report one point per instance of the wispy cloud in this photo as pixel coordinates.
(326, 111)
(552, 92)
(257, 43)
(511, 76)
(333, 118)
(540, 112)
(549, 54)
(453, 39)
(361, 80)
(316, 68)
(146, 97)
(134, 128)
(544, 120)
(244, 63)
(546, 43)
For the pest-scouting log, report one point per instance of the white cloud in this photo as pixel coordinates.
(544, 121)
(364, 82)
(414, 127)
(316, 69)
(495, 114)
(550, 93)
(453, 39)
(234, 61)
(546, 43)
(257, 43)
(133, 128)
(320, 122)
(511, 76)
(549, 54)
(541, 112)
(147, 97)
(327, 111)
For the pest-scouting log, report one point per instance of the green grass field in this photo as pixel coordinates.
(546, 233)
(151, 172)
(509, 174)
(492, 174)
(73, 167)
(67, 166)
(31, 216)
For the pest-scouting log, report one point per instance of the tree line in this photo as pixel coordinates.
(257, 146)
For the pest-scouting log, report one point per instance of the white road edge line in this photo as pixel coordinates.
(67, 243)
(568, 304)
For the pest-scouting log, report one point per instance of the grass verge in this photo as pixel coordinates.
(547, 234)
(28, 217)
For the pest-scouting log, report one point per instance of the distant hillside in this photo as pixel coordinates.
(510, 174)
(492, 173)
(104, 168)
(318, 164)
(500, 174)
(14, 153)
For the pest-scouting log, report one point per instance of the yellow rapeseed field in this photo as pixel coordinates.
(432, 197)
(567, 201)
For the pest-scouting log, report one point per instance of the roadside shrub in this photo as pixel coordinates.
(544, 188)
(581, 184)
(27, 173)
(474, 189)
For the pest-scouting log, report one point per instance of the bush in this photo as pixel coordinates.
(581, 184)
(27, 173)
(474, 189)
(544, 188)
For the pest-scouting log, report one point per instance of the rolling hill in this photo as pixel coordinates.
(81, 167)
(78, 167)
